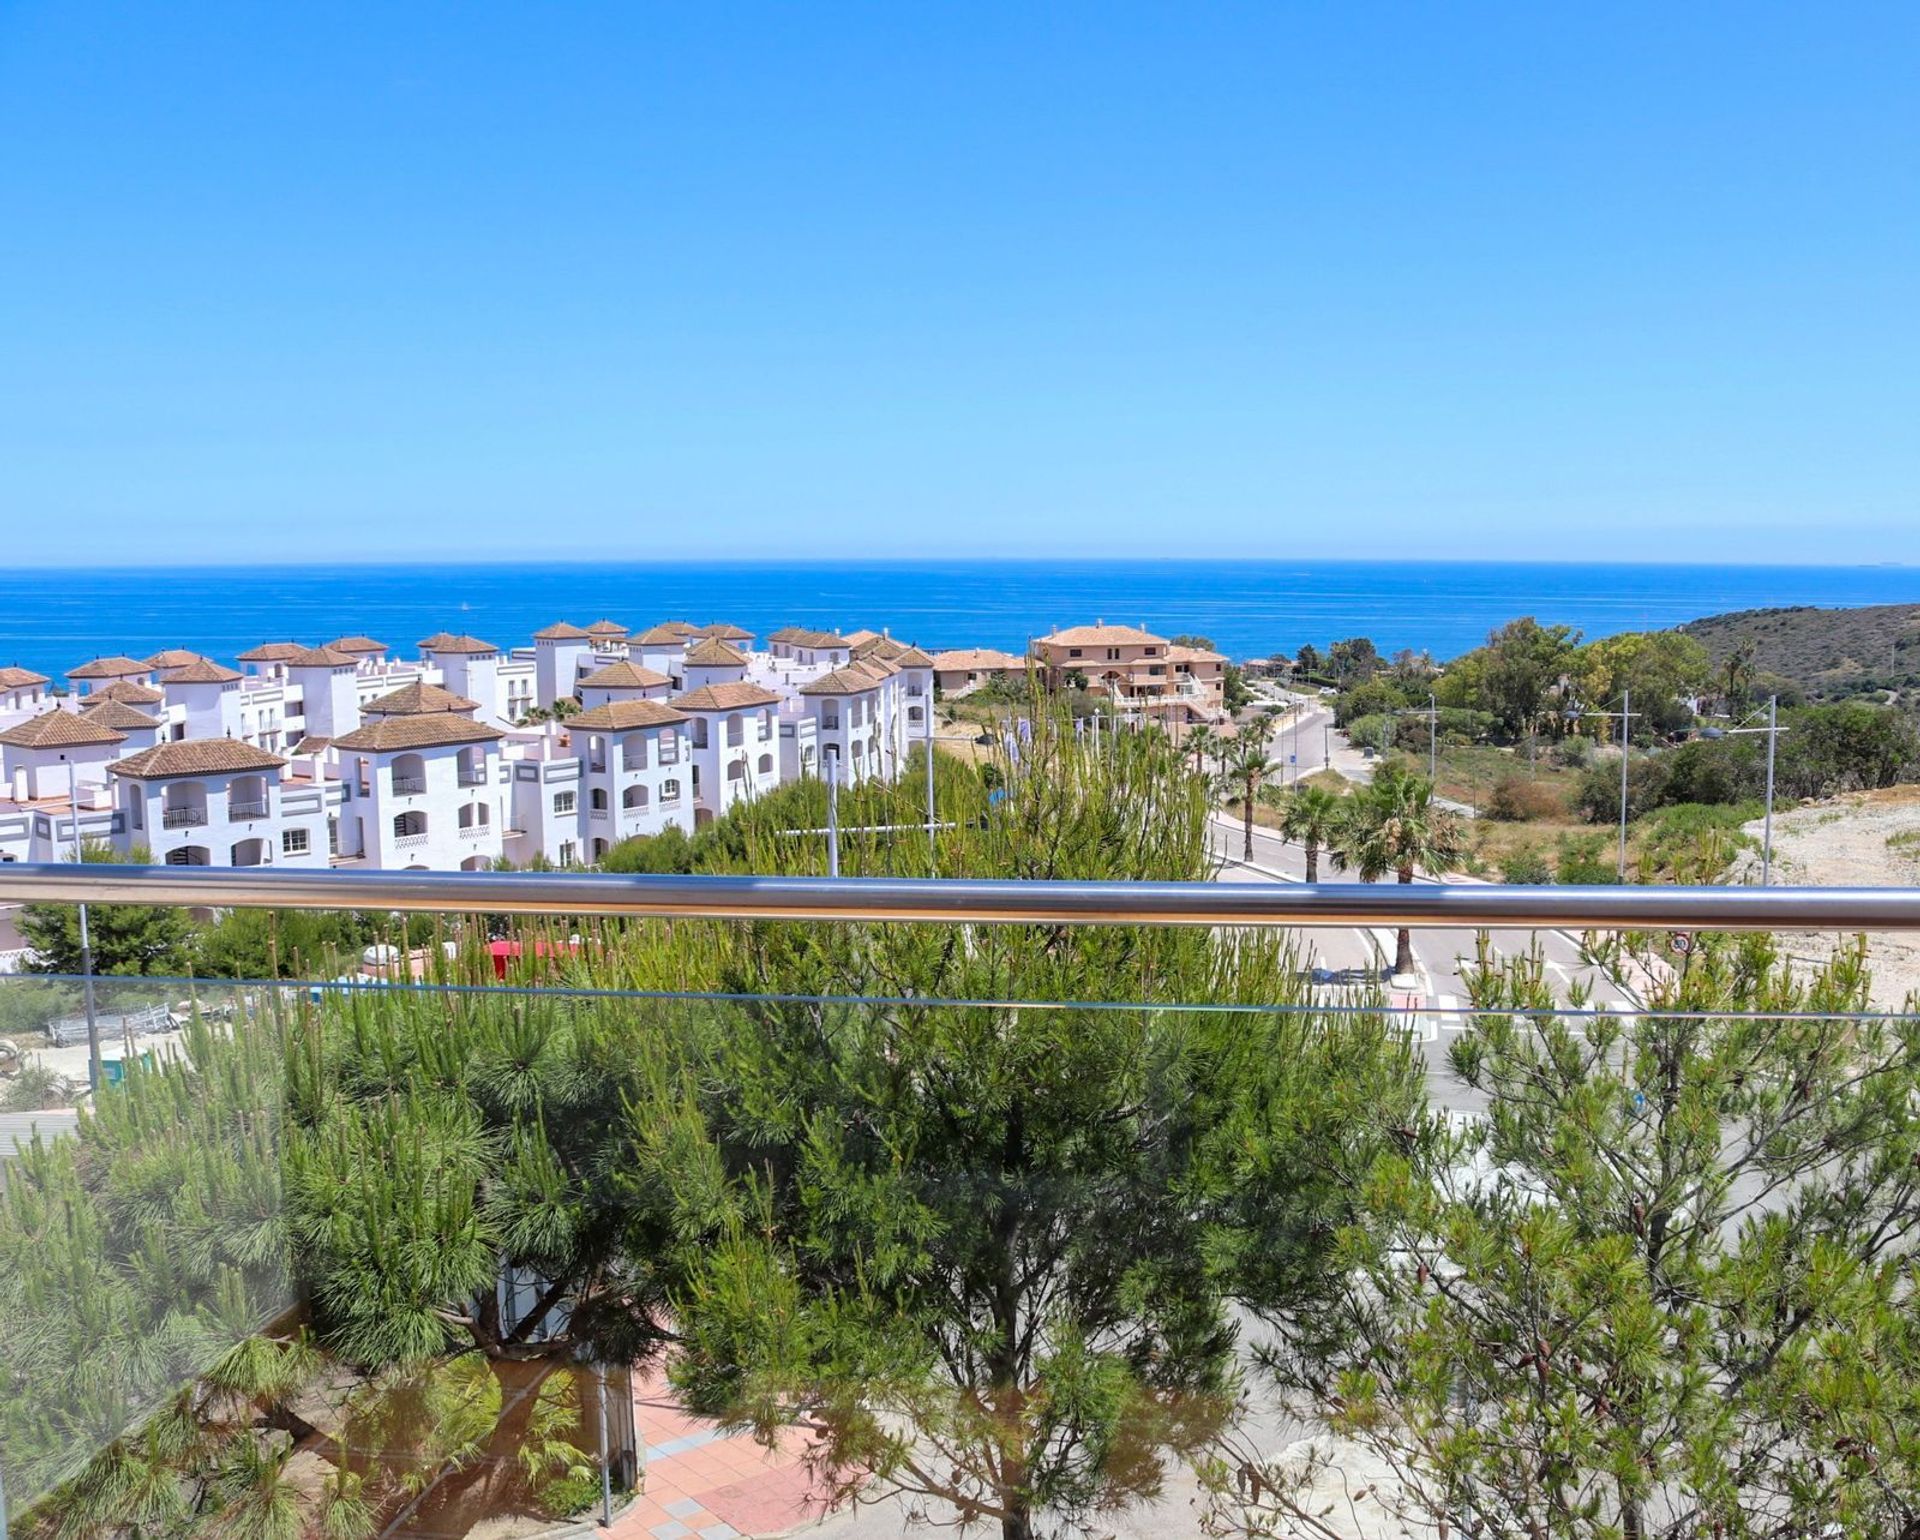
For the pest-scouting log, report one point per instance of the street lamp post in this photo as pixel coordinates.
(86, 946)
(1773, 730)
(1625, 715)
(1433, 738)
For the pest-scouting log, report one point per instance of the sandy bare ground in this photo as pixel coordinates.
(1863, 839)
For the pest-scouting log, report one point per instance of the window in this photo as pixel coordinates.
(333, 836)
(699, 732)
(734, 732)
(294, 842)
(563, 802)
(1113, 654)
(406, 825)
(1073, 652)
(766, 764)
(667, 746)
(188, 855)
(569, 853)
(597, 799)
(136, 809)
(766, 725)
(474, 816)
(669, 791)
(635, 796)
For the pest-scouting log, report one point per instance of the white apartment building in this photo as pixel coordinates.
(637, 772)
(344, 754)
(217, 802)
(732, 744)
(424, 788)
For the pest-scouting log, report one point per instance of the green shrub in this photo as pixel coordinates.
(1526, 866)
(1586, 860)
(1516, 799)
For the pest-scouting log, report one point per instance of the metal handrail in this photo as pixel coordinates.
(978, 901)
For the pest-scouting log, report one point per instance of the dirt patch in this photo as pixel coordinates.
(1862, 840)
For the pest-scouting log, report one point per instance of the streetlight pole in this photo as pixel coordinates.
(833, 815)
(933, 838)
(86, 945)
(1433, 739)
(1626, 717)
(1773, 730)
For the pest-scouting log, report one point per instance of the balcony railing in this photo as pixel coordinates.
(218, 1126)
(183, 817)
(237, 811)
(409, 841)
(409, 785)
(473, 777)
(982, 900)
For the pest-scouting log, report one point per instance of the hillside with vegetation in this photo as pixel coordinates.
(1824, 654)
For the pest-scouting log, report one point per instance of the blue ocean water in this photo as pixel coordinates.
(51, 620)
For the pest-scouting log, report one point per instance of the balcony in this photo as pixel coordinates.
(473, 778)
(183, 817)
(239, 811)
(409, 841)
(1110, 1157)
(409, 785)
(468, 831)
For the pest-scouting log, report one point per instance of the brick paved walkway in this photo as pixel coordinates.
(702, 1483)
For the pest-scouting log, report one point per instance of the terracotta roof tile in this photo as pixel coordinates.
(726, 697)
(913, 657)
(116, 667)
(461, 646)
(195, 756)
(129, 692)
(714, 653)
(311, 744)
(357, 644)
(842, 681)
(418, 699)
(206, 671)
(607, 628)
(118, 715)
(433, 730)
(973, 659)
(666, 634)
(724, 631)
(272, 652)
(623, 715)
(562, 631)
(175, 657)
(624, 676)
(21, 678)
(1104, 635)
(57, 729)
(322, 657)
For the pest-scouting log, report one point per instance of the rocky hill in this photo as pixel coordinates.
(1829, 654)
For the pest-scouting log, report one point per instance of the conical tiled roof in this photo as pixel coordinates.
(119, 716)
(714, 653)
(206, 671)
(419, 699)
(129, 692)
(115, 667)
(59, 729)
(562, 631)
(195, 756)
(624, 676)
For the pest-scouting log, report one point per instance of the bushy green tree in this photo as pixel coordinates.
(1395, 828)
(153, 939)
(988, 1251)
(1663, 1289)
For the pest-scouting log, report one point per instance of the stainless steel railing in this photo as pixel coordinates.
(1473, 906)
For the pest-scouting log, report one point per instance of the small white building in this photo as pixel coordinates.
(623, 681)
(45, 755)
(213, 802)
(732, 743)
(562, 652)
(424, 791)
(22, 690)
(636, 771)
(91, 675)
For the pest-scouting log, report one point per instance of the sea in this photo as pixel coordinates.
(52, 620)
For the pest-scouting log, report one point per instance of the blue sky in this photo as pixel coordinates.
(1329, 279)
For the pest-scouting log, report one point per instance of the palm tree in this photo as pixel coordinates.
(1312, 815)
(1199, 745)
(1245, 768)
(1396, 828)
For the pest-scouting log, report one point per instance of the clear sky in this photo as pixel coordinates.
(1342, 279)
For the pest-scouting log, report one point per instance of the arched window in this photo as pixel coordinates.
(766, 764)
(669, 791)
(409, 823)
(635, 796)
(474, 815)
(597, 799)
(736, 770)
(187, 855)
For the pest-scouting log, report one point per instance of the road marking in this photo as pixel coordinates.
(1449, 1017)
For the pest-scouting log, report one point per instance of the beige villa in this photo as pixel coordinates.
(1144, 675)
